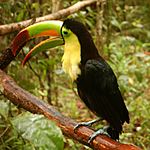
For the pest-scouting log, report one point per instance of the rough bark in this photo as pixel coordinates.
(5, 58)
(29, 102)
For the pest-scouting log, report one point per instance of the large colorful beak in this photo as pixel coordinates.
(46, 28)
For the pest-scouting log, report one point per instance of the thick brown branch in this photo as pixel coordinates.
(24, 99)
(6, 57)
(5, 29)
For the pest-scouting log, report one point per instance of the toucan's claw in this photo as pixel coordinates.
(99, 131)
(88, 124)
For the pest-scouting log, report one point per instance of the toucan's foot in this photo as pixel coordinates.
(100, 131)
(88, 124)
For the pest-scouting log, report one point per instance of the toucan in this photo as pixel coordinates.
(96, 82)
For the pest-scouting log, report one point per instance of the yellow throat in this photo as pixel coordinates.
(72, 57)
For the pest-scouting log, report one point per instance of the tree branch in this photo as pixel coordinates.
(9, 28)
(24, 99)
(6, 57)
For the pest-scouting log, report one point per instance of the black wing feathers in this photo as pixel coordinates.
(98, 88)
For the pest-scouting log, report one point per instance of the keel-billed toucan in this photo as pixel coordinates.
(96, 83)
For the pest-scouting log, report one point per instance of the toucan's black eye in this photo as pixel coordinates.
(65, 32)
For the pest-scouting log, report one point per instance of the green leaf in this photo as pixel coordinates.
(41, 132)
(116, 23)
(4, 108)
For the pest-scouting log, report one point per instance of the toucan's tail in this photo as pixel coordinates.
(114, 134)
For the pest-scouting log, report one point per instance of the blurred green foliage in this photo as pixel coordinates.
(39, 131)
(28, 131)
(125, 37)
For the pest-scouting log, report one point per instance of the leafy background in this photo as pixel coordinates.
(121, 31)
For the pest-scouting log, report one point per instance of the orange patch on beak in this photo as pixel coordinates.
(48, 33)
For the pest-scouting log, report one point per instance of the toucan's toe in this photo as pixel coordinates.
(95, 134)
(87, 124)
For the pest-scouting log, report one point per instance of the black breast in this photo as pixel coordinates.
(97, 87)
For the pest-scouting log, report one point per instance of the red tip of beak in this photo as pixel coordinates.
(19, 41)
(26, 58)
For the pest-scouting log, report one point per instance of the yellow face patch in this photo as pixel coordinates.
(72, 56)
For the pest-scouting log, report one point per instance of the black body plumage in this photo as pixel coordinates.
(97, 85)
